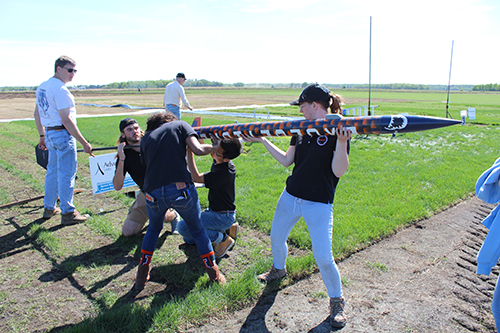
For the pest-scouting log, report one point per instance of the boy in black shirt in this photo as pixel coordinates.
(219, 218)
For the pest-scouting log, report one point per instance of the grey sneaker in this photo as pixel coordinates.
(48, 213)
(337, 315)
(273, 274)
(73, 218)
(221, 249)
(233, 230)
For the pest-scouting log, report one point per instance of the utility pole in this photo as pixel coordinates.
(449, 80)
(370, 71)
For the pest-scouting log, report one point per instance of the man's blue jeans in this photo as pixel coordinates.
(175, 109)
(185, 202)
(61, 170)
(215, 224)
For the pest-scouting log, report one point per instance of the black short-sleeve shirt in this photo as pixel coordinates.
(312, 177)
(220, 183)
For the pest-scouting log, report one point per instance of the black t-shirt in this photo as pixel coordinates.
(133, 166)
(163, 151)
(220, 183)
(312, 177)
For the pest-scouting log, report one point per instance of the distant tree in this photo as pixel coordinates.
(486, 87)
(202, 83)
(239, 84)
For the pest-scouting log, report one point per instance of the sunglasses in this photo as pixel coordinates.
(70, 70)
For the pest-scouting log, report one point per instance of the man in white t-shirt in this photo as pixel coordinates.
(55, 118)
(174, 94)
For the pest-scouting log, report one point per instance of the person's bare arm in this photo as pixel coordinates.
(195, 174)
(201, 149)
(41, 130)
(119, 177)
(285, 158)
(340, 161)
(74, 131)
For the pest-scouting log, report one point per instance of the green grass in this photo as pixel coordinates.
(46, 239)
(381, 268)
(391, 181)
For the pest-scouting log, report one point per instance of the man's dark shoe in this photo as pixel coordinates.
(215, 275)
(48, 213)
(73, 218)
(142, 276)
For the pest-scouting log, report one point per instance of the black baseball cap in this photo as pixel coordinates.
(125, 122)
(312, 93)
(181, 75)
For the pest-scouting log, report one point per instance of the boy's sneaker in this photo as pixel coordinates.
(233, 230)
(337, 315)
(48, 213)
(221, 249)
(73, 218)
(272, 274)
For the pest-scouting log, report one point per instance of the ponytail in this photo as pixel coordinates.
(335, 104)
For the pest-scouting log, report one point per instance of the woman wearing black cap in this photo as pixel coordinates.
(320, 161)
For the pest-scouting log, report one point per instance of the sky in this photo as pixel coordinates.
(252, 41)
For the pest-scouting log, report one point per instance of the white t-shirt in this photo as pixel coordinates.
(52, 96)
(174, 93)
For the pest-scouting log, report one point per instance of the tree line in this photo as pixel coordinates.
(161, 84)
(486, 87)
(158, 84)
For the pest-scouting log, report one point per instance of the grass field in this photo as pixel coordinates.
(391, 182)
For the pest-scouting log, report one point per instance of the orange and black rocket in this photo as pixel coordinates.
(327, 126)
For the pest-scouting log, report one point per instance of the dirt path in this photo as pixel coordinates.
(421, 279)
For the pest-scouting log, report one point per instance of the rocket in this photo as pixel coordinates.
(357, 125)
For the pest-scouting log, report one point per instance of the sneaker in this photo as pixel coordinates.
(73, 218)
(48, 213)
(221, 249)
(173, 225)
(337, 315)
(233, 230)
(273, 274)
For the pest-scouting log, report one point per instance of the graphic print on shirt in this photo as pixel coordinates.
(322, 140)
(43, 103)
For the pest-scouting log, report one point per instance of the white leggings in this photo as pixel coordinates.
(319, 219)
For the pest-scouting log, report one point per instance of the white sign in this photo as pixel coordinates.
(102, 171)
(472, 113)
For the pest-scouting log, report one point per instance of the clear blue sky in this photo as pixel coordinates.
(275, 41)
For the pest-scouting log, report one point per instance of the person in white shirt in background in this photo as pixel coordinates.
(175, 96)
